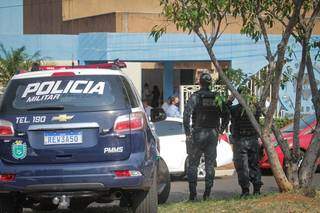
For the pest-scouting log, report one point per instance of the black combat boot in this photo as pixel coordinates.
(256, 190)
(245, 192)
(193, 192)
(206, 193)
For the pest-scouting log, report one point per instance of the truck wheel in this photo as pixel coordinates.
(9, 205)
(146, 202)
(163, 182)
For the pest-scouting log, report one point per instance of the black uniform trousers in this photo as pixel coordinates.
(246, 161)
(204, 141)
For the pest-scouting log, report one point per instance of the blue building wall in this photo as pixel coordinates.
(244, 53)
(11, 17)
(51, 47)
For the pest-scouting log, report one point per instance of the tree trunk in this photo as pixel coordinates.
(285, 150)
(281, 179)
(297, 109)
(309, 163)
(290, 170)
(279, 175)
(307, 168)
(293, 164)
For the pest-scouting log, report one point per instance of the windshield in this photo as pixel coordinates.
(169, 128)
(304, 122)
(74, 93)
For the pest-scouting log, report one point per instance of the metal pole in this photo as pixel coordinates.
(181, 94)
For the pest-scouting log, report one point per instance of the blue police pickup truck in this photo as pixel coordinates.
(70, 137)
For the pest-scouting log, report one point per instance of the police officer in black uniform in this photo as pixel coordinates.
(202, 137)
(245, 148)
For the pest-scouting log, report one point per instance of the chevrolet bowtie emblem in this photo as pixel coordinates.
(62, 118)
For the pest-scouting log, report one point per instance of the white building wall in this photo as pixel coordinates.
(134, 72)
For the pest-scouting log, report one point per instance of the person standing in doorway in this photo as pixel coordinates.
(146, 94)
(155, 97)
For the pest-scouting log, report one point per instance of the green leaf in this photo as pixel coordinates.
(13, 60)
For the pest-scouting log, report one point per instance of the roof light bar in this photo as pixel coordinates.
(116, 64)
(63, 74)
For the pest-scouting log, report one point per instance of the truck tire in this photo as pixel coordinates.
(9, 205)
(163, 182)
(146, 202)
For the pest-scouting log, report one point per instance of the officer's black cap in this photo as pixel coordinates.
(205, 79)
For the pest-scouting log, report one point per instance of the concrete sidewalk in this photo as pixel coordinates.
(225, 172)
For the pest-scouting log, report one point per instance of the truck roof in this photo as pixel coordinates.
(68, 72)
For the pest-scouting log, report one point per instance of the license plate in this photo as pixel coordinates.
(58, 138)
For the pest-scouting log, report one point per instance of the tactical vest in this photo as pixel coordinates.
(206, 113)
(242, 126)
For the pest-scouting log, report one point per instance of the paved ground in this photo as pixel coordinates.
(225, 187)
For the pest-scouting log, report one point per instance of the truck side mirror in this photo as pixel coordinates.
(157, 114)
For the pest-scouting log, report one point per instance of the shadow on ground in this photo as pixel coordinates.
(91, 209)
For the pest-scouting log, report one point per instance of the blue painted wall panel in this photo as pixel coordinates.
(243, 52)
(92, 46)
(53, 47)
(11, 17)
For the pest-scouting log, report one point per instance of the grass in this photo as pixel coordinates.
(285, 202)
(276, 202)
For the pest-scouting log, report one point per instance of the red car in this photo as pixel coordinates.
(307, 126)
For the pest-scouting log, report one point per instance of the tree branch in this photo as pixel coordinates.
(280, 63)
(283, 143)
(215, 37)
(266, 39)
(313, 17)
(297, 110)
(271, 64)
(314, 88)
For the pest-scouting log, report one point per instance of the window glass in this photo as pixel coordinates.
(167, 128)
(73, 93)
(130, 93)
